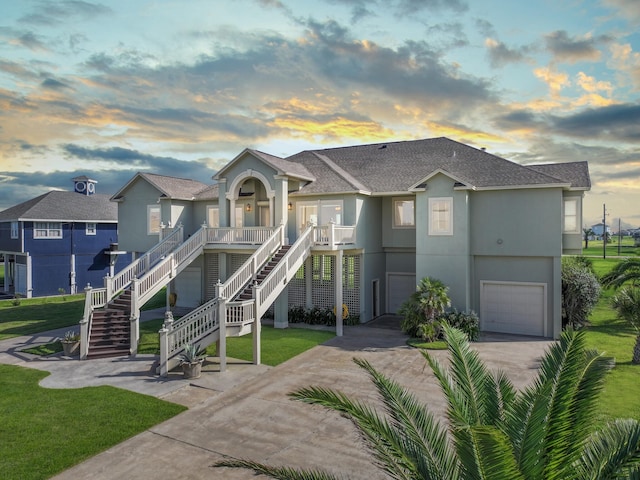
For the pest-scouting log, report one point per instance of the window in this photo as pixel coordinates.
(47, 230)
(404, 213)
(153, 219)
(571, 223)
(239, 214)
(319, 212)
(14, 229)
(441, 216)
(91, 229)
(213, 216)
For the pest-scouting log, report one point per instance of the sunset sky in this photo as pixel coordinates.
(180, 87)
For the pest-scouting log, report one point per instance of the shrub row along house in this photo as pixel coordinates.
(60, 241)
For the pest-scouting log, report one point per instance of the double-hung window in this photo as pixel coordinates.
(153, 219)
(571, 222)
(14, 229)
(213, 216)
(404, 213)
(441, 216)
(90, 229)
(47, 230)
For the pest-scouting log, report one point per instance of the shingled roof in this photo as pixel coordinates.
(170, 187)
(394, 167)
(64, 206)
(576, 173)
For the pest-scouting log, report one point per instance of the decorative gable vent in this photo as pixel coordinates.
(84, 185)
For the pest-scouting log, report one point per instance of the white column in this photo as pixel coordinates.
(338, 281)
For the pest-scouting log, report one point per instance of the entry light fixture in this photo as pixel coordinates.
(248, 207)
(290, 206)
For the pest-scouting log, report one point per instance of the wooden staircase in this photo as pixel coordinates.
(247, 292)
(111, 329)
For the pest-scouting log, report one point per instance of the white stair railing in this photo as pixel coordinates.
(273, 285)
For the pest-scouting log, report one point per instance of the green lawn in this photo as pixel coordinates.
(278, 345)
(616, 338)
(627, 248)
(46, 431)
(35, 315)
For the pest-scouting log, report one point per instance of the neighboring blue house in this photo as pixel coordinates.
(598, 228)
(60, 242)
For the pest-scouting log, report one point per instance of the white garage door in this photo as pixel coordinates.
(400, 286)
(513, 307)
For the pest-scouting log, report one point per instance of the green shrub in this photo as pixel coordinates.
(580, 292)
(469, 322)
(428, 302)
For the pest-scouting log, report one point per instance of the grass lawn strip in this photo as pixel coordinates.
(278, 345)
(45, 431)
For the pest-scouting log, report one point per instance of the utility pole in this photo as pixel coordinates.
(619, 235)
(604, 230)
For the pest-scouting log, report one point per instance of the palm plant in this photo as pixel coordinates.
(627, 304)
(430, 300)
(493, 431)
(628, 270)
(587, 233)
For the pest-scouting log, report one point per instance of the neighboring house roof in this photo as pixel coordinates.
(170, 187)
(576, 173)
(395, 167)
(64, 206)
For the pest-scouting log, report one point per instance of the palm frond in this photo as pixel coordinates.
(627, 270)
(387, 444)
(486, 454)
(280, 473)
(427, 442)
(613, 452)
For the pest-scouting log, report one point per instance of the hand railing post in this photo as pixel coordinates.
(332, 234)
(84, 324)
(222, 329)
(164, 351)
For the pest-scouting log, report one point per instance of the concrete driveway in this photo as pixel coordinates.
(246, 413)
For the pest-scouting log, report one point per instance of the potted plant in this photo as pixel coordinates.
(191, 360)
(70, 343)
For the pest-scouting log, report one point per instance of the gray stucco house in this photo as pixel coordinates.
(381, 217)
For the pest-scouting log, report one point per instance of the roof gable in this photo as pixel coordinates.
(280, 165)
(169, 187)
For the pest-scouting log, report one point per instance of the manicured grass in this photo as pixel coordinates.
(627, 248)
(615, 338)
(278, 345)
(35, 315)
(46, 431)
(46, 349)
(419, 343)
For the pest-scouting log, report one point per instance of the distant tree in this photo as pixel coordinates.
(588, 233)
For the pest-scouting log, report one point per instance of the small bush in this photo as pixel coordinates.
(16, 300)
(427, 303)
(469, 322)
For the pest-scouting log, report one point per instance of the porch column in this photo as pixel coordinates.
(29, 291)
(338, 281)
(223, 211)
(281, 200)
(281, 310)
(5, 279)
(308, 281)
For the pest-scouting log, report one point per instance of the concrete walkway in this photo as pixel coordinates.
(246, 413)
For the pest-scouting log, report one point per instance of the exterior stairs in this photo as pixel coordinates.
(247, 292)
(110, 329)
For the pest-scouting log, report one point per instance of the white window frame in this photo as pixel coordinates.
(439, 215)
(318, 204)
(575, 215)
(15, 230)
(239, 216)
(47, 230)
(213, 216)
(397, 218)
(90, 228)
(153, 219)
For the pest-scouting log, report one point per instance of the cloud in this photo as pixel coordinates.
(629, 9)
(53, 84)
(54, 12)
(572, 50)
(501, 55)
(615, 122)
